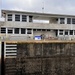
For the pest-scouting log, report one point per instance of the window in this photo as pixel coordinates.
(10, 30)
(62, 20)
(66, 32)
(17, 17)
(29, 31)
(71, 32)
(30, 18)
(43, 29)
(38, 29)
(24, 18)
(48, 29)
(60, 32)
(9, 17)
(73, 21)
(22, 31)
(34, 29)
(68, 20)
(16, 30)
(74, 32)
(3, 30)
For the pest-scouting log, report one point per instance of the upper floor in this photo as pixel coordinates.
(33, 17)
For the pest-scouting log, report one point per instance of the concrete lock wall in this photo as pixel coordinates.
(42, 59)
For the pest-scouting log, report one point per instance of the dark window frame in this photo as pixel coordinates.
(62, 20)
(9, 17)
(24, 18)
(68, 20)
(29, 31)
(17, 17)
(30, 18)
(73, 20)
(10, 30)
(23, 31)
(48, 30)
(3, 30)
(71, 32)
(66, 32)
(16, 30)
(38, 29)
(60, 32)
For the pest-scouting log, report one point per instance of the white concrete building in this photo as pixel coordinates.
(21, 25)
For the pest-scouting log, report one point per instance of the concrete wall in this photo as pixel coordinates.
(17, 37)
(46, 33)
(38, 25)
(42, 59)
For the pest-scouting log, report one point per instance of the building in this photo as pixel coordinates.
(21, 25)
(30, 57)
(26, 26)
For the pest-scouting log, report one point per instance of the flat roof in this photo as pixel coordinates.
(35, 13)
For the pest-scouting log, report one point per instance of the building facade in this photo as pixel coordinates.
(20, 25)
(26, 26)
(21, 55)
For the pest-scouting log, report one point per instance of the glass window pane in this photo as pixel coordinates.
(16, 30)
(68, 20)
(24, 18)
(22, 31)
(66, 32)
(74, 32)
(73, 21)
(10, 31)
(17, 17)
(30, 18)
(9, 17)
(3, 30)
(60, 32)
(71, 32)
(43, 29)
(62, 20)
(29, 31)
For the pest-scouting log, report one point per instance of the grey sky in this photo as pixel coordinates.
(50, 6)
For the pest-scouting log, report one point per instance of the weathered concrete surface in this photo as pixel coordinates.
(42, 59)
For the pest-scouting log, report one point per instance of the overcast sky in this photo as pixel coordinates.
(50, 6)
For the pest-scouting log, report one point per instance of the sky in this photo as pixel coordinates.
(50, 6)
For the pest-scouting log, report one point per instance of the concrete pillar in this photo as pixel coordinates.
(13, 31)
(26, 31)
(71, 24)
(20, 17)
(19, 30)
(13, 17)
(73, 32)
(65, 20)
(6, 17)
(6, 30)
(32, 31)
(58, 33)
(68, 32)
(27, 18)
(49, 20)
(58, 20)
(64, 32)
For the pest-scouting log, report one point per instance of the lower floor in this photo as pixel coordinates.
(35, 34)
